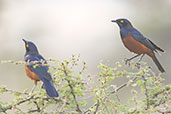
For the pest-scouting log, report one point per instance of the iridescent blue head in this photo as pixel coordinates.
(123, 23)
(30, 47)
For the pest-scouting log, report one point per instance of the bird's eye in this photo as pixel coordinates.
(122, 21)
(27, 45)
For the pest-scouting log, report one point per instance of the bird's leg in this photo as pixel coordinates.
(138, 63)
(42, 86)
(141, 58)
(127, 60)
(33, 89)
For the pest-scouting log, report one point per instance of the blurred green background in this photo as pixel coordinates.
(61, 28)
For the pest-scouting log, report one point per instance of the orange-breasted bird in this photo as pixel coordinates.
(36, 70)
(135, 42)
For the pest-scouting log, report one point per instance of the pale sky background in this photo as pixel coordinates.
(61, 28)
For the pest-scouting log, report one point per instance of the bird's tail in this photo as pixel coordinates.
(158, 63)
(50, 89)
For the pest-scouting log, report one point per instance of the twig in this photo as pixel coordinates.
(165, 112)
(97, 106)
(106, 108)
(23, 101)
(160, 103)
(112, 92)
(63, 104)
(10, 107)
(5, 112)
(117, 96)
(19, 109)
(89, 109)
(146, 93)
(72, 90)
(158, 93)
(133, 111)
(6, 108)
(13, 91)
(36, 110)
(15, 105)
(122, 86)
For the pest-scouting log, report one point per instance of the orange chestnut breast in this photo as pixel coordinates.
(135, 46)
(31, 74)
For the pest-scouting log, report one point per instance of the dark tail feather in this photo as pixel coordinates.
(158, 63)
(50, 89)
(158, 48)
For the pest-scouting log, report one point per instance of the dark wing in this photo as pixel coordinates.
(156, 47)
(139, 37)
(38, 68)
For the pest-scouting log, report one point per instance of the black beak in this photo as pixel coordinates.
(113, 21)
(24, 41)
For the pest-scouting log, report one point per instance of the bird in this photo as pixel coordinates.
(135, 42)
(36, 71)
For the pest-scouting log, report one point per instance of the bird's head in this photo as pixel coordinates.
(123, 23)
(30, 47)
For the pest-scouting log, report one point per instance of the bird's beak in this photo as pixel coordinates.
(24, 41)
(113, 21)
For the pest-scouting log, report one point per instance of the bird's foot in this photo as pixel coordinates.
(127, 61)
(138, 65)
(31, 94)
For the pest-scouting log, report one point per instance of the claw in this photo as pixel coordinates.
(127, 61)
(138, 65)
(31, 94)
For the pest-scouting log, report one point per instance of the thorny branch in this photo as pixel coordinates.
(112, 92)
(123, 85)
(13, 91)
(72, 90)
(14, 106)
(96, 105)
(37, 108)
(146, 93)
(119, 88)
